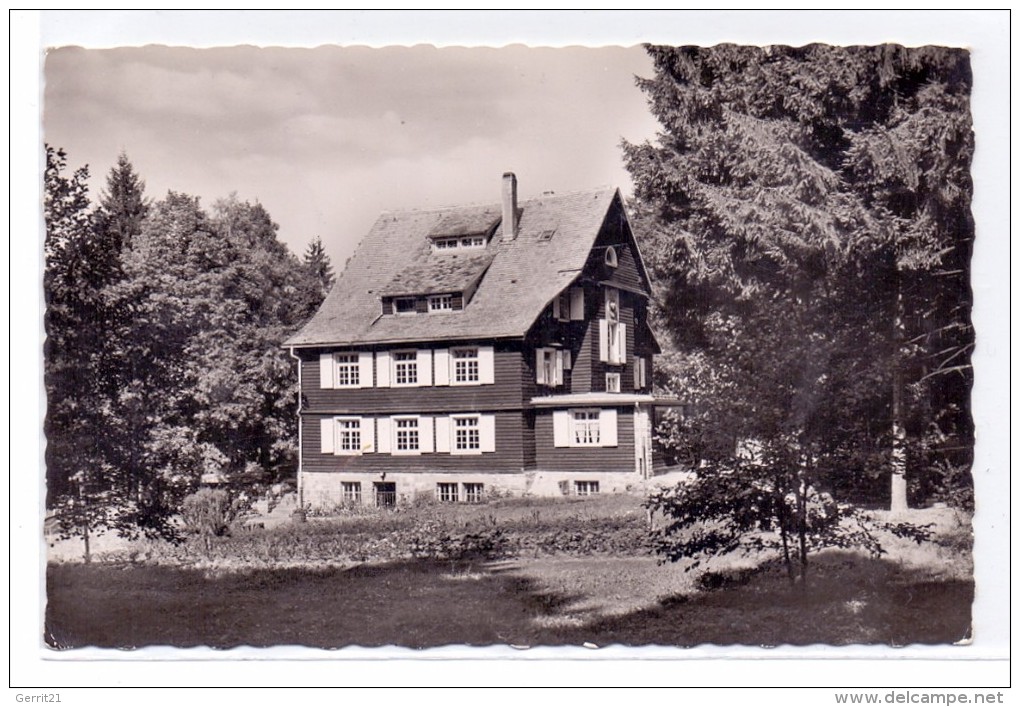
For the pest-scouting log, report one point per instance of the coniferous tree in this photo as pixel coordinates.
(817, 199)
(316, 260)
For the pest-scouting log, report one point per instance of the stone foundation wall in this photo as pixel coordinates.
(323, 491)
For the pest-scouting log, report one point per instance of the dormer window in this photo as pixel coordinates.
(611, 259)
(441, 303)
(403, 305)
(447, 244)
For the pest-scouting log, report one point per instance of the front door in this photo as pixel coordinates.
(385, 494)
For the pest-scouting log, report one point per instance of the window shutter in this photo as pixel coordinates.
(559, 368)
(384, 426)
(367, 435)
(561, 428)
(487, 432)
(326, 370)
(442, 425)
(603, 340)
(622, 330)
(556, 307)
(577, 304)
(607, 428)
(326, 433)
(566, 360)
(486, 365)
(383, 369)
(540, 366)
(424, 367)
(426, 435)
(637, 373)
(442, 357)
(365, 369)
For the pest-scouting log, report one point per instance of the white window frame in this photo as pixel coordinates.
(613, 382)
(351, 365)
(336, 433)
(476, 428)
(586, 487)
(397, 363)
(441, 303)
(459, 355)
(586, 432)
(566, 427)
(417, 429)
(473, 492)
(447, 492)
(350, 491)
(549, 366)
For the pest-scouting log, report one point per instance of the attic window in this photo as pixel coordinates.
(403, 305)
(611, 259)
(546, 235)
(448, 243)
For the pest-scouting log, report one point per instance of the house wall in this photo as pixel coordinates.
(323, 489)
(594, 460)
(508, 457)
(505, 393)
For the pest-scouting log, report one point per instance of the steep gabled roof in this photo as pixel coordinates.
(523, 274)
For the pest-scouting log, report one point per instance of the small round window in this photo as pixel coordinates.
(611, 260)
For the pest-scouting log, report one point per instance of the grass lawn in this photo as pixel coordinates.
(915, 595)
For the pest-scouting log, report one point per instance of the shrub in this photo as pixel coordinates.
(208, 513)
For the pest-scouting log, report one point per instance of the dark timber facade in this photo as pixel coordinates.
(481, 350)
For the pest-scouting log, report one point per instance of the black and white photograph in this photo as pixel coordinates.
(635, 348)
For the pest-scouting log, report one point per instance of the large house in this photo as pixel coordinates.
(477, 351)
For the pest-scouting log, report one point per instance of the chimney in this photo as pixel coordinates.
(509, 206)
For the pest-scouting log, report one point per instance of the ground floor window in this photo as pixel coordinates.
(466, 434)
(586, 428)
(586, 488)
(349, 436)
(474, 493)
(446, 493)
(385, 494)
(350, 491)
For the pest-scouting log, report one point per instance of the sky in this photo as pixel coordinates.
(327, 138)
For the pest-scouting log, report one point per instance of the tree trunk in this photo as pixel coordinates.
(898, 462)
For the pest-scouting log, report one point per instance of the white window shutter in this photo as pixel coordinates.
(603, 340)
(326, 370)
(622, 330)
(637, 373)
(442, 425)
(442, 357)
(486, 365)
(561, 428)
(383, 369)
(384, 427)
(540, 366)
(556, 307)
(327, 427)
(487, 432)
(577, 304)
(426, 435)
(566, 360)
(367, 435)
(424, 367)
(365, 369)
(559, 368)
(607, 428)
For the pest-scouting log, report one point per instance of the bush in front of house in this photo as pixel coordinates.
(209, 513)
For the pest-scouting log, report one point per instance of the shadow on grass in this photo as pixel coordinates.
(414, 604)
(419, 604)
(848, 600)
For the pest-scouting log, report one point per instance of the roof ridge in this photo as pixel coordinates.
(498, 204)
